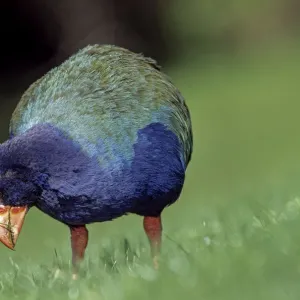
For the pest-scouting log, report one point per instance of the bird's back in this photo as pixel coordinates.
(101, 97)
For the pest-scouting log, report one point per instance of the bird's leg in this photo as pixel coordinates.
(79, 241)
(153, 229)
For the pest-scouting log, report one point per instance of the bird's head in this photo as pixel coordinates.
(19, 187)
(32, 163)
(17, 194)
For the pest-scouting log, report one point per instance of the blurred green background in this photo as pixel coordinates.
(237, 63)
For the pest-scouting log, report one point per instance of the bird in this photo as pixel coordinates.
(100, 136)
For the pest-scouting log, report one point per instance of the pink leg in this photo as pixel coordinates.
(79, 241)
(153, 229)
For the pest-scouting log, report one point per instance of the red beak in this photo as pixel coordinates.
(11, 222)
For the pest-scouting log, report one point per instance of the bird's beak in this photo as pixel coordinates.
(11, 222)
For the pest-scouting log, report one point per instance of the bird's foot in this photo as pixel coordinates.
(156, 262)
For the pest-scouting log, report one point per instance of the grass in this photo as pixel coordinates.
(242, 252)
(234, 234)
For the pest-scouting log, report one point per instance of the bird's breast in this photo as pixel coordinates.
(149, 180)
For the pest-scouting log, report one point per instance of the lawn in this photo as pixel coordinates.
(234, 233)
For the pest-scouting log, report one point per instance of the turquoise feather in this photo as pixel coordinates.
(110, 93)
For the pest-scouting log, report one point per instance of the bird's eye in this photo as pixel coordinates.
(9, 173)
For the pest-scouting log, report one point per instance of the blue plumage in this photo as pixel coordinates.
(76, 190)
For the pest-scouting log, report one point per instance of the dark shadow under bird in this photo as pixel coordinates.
(104, 134)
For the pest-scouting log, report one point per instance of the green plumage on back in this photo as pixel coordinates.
(110, 93)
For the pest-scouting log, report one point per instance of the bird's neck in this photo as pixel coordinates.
(43, 150)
